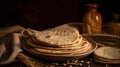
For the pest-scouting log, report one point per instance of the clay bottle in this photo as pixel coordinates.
(114, 25)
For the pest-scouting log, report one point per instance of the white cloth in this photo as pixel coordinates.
(10, 43)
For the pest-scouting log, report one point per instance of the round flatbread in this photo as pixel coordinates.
(108, 52)
(58, 36)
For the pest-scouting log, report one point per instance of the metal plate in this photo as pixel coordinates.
(58, 57)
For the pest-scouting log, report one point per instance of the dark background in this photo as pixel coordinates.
(41, 14)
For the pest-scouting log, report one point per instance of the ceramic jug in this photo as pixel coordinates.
(92, 20)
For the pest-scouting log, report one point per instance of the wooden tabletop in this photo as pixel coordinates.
(85, 62)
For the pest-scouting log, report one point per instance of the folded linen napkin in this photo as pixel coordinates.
(10, 43)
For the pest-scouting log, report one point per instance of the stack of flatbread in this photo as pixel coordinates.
(63, 40)
(107, 54)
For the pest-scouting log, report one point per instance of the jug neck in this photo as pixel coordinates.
(92, 7)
